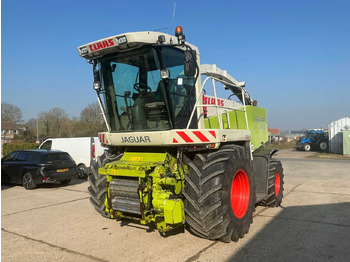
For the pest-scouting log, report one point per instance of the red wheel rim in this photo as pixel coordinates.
(240, 192)
(277, 183)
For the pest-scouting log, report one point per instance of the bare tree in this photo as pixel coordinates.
(30, 133)
(10, 113)
(50, 122)
(70, 127)
(58, 114)
(91, 120)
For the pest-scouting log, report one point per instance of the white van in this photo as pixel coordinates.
(82, 149)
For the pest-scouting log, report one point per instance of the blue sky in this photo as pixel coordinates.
(294, 55)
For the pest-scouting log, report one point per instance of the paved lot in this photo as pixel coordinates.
(57, 223)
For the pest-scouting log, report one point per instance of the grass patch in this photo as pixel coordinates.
(329, 156)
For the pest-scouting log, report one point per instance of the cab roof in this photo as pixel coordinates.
(124, 42)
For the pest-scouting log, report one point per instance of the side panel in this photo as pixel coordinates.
(258, 125)
(236, 120)
(230, 120)
(175, 137)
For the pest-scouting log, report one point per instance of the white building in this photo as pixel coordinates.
(336, 134)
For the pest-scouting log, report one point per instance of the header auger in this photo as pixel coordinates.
(176, 155)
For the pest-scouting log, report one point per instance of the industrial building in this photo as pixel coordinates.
(339, 136)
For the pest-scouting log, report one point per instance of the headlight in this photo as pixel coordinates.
(122, 40)
(84, 50)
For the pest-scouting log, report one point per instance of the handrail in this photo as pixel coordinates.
(220, 122)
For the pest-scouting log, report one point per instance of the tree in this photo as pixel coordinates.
(10, 113)
(70, 127)
(30, 134)
(57, 115)
(51, 121)
(91, 120)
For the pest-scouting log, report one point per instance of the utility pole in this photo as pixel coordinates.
(37, 130)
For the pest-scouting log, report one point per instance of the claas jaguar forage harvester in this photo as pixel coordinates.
(177, 155)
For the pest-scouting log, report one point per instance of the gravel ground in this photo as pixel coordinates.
(57, 223)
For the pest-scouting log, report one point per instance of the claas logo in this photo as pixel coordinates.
(101, 45)
(211, 101)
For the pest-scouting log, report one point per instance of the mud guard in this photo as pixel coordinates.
(261, 162)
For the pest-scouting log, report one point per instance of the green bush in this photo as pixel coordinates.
(8, 148)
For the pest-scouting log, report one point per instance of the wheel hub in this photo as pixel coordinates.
(240, 193)
(277, 184)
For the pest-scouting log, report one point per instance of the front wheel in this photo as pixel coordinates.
(98, 183)
(306, 147)
(28, 182)
(220, 194)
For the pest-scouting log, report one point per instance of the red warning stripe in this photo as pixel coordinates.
(184, 136)
(200, 135)
(213, 133)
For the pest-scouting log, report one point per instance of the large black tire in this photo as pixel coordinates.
(28, 182)
(275, 185)
(97, 188)
(213, 198)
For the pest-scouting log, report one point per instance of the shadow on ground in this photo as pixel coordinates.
(302, 233)
(75, 181)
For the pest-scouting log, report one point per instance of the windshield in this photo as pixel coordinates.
(135, 96)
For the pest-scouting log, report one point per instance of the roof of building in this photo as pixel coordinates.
(274, 131)
(11, 126)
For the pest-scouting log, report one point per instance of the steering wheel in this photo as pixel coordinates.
(140, 87)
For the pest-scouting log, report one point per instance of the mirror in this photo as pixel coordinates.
(96, 75)
(190, 63)
(97, 82)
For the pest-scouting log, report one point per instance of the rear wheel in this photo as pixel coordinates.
(275, 185)
(82, 171)
(98, 188)
(220, 194)
(28, 182)
(323, 146)
(306, 147)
